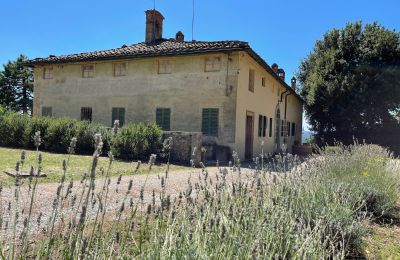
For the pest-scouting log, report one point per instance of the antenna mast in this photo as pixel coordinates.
(193, 21)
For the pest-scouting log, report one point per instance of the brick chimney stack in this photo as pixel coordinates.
(180, 37)
(293, 81)
(154, 26)
(281, 74)
(275, 68)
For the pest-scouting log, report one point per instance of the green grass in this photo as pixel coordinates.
(78, 164)
(383, 242)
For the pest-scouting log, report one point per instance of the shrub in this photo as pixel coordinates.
(137, 141)
(84, 132)
(59, 135)
(12, 128)
(36, 124)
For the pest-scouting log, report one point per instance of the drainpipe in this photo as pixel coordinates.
(286, 95)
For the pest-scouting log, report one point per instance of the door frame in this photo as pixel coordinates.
(248, 147)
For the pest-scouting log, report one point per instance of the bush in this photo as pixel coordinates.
(12, 128)
(137, 141)
(84, 132)
(36, 124)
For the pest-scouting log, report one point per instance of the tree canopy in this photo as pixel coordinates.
(16, 86)
(351, 84)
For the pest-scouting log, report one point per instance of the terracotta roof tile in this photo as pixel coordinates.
(163, 47)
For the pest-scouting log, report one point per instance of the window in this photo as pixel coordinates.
(47, 111)
(293, 129)
(212, 64)
(209, 124)
(163, 116)
(164, 67)
(251, 80)
(288, 129)
(119, 69)
(48, 73)
(270, 127)
(86, 113)
(263, 82)
(118, 113)
(88, 71)
(262, 126)
(282, 127)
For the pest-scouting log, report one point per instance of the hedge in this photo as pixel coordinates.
(133, 141)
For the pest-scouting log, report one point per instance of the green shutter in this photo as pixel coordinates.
(270, 127)
(260, 125)
(163, 118)
(264, 133)
(114, 115)
(121, 116)
(210, 121)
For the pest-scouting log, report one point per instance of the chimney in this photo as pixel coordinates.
(281, 74)
(275, 68)
(154, 26)
(293, 81)
(179, 37)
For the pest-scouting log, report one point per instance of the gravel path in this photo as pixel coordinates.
(46, 193)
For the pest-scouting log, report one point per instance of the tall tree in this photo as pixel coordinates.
(16, 86)
(351, 84)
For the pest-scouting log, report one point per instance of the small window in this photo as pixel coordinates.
(212, 64)
(118, 113)
(209, 124)
(47, 111)
(288, 129)
(88, 71)
(164, 67)
(48, 73)
(263, 82)
(270, 127)
(86, 114)
(293, 129)
(119, 69)
(251, 80)
(260, 125)
(163, 118)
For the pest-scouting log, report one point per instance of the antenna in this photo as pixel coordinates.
(193, 21)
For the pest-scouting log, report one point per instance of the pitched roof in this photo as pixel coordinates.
(162, 47)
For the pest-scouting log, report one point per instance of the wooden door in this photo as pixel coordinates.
(249, 136)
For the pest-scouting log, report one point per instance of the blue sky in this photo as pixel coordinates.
(280, 31)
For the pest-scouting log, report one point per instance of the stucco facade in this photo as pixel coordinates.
(183, 77)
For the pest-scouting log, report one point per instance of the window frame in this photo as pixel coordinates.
(47, 113)
(115, 64)
(164, 126)
(118, 115)
(46, 74)
(86, 114)
(251, 79)
(210, 129)
(84, 70)
(216, 64)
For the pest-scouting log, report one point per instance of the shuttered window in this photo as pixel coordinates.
(282, 127)
(163, 118)
(262, 126)
(251, 80)
(88, 71)
(47, 111)
(288, 129)
(118, 113)
(270, 127)
(209, 124)
(86, 114)
(293, 129)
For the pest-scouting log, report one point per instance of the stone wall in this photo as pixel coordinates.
(183, 144)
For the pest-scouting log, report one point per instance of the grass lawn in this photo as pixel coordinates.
(78, 164)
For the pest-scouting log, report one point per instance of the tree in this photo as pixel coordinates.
(351, 84)
(16, 86)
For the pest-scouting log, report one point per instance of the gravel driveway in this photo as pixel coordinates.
(46, 193)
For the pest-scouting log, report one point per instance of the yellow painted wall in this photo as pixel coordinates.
(263, 101)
